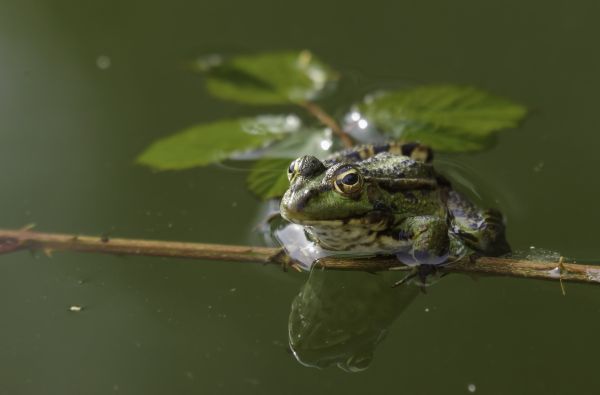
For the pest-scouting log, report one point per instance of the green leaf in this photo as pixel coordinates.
(269, 78)
(317, 143)
(203, 144)
(268, 177)
(445, 139)
(447, 117)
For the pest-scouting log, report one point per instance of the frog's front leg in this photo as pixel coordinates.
(430, 241)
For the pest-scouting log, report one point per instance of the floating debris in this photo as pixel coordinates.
(538, 167)
(103, 62)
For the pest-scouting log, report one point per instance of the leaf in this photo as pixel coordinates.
(447, 117)
(268, 177)
(446, 139)
(269, 78)
(203, 144)
(317, 143)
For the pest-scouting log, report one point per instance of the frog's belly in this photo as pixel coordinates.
(357, 239)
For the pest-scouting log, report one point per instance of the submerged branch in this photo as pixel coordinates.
(14, 240)
(328, 121)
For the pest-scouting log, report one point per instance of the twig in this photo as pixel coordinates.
(556, 271)
(14, 240)
(328, 121)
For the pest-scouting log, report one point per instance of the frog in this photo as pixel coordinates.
(388, 199)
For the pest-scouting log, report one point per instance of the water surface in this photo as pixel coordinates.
(69, 131)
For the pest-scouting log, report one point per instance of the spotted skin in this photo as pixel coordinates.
(393, 202)
(481, 230)
(414, 151)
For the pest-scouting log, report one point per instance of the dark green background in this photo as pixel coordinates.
(69, 133)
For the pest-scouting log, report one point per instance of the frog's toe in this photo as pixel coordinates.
(422, 276)
(425, 271)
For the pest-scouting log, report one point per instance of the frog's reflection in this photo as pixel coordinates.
(339, 318)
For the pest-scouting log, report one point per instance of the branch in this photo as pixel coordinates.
(14, 240)
(328, 121)
(556, 271)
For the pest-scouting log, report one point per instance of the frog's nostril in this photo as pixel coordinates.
(294, 205)
(302, 199)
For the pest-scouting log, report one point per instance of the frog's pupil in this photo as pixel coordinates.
(350, 179)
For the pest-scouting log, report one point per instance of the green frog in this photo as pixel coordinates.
(388, 199)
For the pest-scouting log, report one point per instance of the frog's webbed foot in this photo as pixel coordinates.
(430, 241)
(404, 280)
(430, 248)
(480, 230)
(419, 276)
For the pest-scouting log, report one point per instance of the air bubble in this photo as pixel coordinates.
(103, 62)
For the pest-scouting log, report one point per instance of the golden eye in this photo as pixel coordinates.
(292, 170)
(348, 181)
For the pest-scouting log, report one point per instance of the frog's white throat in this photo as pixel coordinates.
(354, 235)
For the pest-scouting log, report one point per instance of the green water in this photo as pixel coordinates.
(69, 132)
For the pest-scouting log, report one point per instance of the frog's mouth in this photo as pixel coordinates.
(350, 234)
(375, 220)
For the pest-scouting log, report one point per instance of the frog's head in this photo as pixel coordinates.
(320, 194)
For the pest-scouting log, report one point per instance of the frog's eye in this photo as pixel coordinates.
(348, 181)
(292, 170)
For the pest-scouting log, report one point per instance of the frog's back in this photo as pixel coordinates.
(482, 231)
(415, 151)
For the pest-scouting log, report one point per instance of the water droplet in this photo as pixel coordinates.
(538, 167)
(292, 122)
(207, 62)
(326, 144)
(103, 62)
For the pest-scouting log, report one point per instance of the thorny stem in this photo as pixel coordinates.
(328, 121)
(14, 240)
